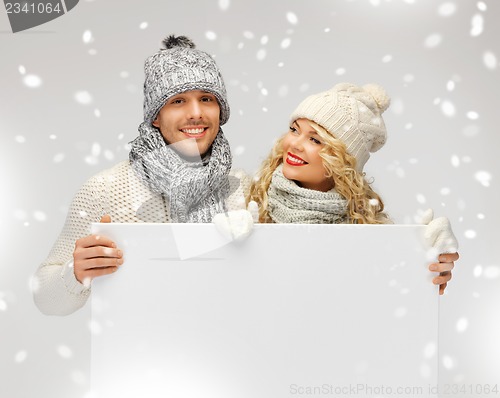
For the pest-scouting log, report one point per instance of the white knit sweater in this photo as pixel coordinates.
(119, 193)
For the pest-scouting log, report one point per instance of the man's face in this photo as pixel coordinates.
(190, 120)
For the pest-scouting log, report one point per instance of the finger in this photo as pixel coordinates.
(101, 262)
(441, 267)
(96, 252)
(442, 278)
(106, 218)
(94, 240)
(442, 288)
(448, 257)
(90, 274)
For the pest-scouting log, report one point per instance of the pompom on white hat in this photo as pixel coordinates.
(351, 114)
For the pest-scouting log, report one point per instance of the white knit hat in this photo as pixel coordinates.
(351, 114)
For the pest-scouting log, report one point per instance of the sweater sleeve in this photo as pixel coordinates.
(56, 290)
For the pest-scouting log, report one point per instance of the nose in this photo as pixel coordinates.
(297, 143)
(194, 110)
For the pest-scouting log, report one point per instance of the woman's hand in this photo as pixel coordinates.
(444, 266)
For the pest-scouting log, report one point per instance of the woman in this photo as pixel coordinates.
(314, 173)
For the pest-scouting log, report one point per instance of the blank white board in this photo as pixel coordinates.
(294, 310)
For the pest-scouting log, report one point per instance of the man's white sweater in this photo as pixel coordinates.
(119, 193)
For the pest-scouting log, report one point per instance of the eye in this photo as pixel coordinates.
(315, 141)
(293, 130)
(176, 101)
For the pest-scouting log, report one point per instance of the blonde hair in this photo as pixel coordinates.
(364, 205)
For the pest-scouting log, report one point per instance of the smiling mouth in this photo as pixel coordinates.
(295, 160)
(195, 132)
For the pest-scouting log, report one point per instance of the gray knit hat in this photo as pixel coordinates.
(179, 67)
(351, 114)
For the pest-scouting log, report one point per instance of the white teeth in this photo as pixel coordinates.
(193, 131)
(295, 160)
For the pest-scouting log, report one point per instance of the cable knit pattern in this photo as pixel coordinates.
(289, 203)
(196, 190)
(119, 193)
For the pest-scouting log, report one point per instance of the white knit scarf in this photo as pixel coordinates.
(289, 203)
(196, 191)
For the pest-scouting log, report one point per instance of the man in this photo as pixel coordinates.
(179, 170)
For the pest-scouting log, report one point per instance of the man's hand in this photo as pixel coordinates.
(444, 267)
(95, 255)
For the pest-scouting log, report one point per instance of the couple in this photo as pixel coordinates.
(179, 170)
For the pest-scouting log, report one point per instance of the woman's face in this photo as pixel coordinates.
(301, 160)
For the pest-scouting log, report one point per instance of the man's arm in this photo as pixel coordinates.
(56, 288)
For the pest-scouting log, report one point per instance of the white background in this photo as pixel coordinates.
(71, 100)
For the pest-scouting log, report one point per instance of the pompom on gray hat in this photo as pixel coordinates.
(179, 67)
(351, 114)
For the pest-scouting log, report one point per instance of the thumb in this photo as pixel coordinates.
(106, 218)
(439, 235)
(253, 208)
(426, 217)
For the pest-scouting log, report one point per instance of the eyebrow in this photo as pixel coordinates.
(312, 131)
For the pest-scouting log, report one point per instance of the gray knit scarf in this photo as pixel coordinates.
(289, 203)
(196, 191)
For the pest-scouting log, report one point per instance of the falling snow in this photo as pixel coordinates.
(483, 177)
(340, 71)
(448, 109)
(400, 312)
(477, 25)
(248, 35)
(261, 54)
(210, 35)
(20, 356)
(421, 199)
(87, 37)
(64, 351)
(83, 97)
(58, 158)
(481, 6)
(492, 272)
(430, 350)
(462, 325)
(32, 81)
(470, 234)
(286, 43)
(387, 58)
(239, 150)
(95, 327)
(224, 4)
(448, 362)
(143, 25)
(433, 41)
(408, 78)
(292, 18)
(40, 216)
(472, 115)
(447, 9)
(490, 60)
